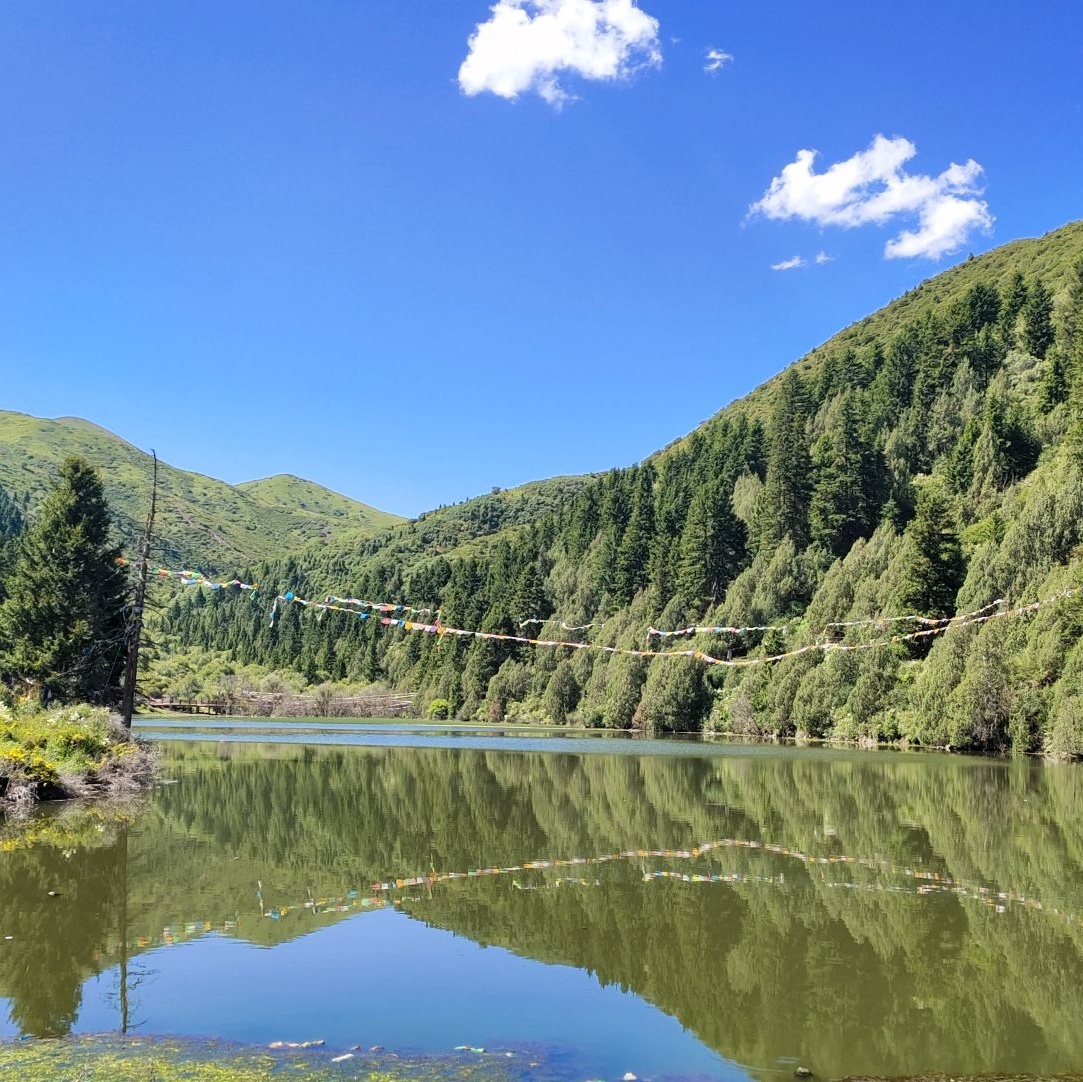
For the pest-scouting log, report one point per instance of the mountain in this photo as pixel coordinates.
(201, 522)
(925, 463)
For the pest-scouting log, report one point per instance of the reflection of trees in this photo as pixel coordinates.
(56, 941)
(853, 978)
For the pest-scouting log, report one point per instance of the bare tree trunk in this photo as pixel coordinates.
(135, 627)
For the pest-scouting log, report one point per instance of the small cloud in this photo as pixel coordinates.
(873, 188)
(789, 264)
(529, 45)
(823, 257)
(716, 60)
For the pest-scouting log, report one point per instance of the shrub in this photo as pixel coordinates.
(439, 710)
(25, 765)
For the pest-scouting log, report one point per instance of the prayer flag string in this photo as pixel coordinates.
(937, 627)
(681, 632)
(393, 615)
(534, 620)
(874, 621)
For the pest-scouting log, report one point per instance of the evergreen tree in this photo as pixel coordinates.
(634, 553)
(11, 521)
(979, 308)
(1038, 320)
(562, 692)
(528, 601)
(783, 510)
(894, 383)
(933, 567)
(1071, 345)
(712, 548)
(1071, 325)
(62, 623)
(1014, 300)
(1055, 381)
(11, 525)
(843, 507)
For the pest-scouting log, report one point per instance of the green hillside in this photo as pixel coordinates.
(923, 463)
(201, 522)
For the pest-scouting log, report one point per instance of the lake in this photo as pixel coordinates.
(605, 904)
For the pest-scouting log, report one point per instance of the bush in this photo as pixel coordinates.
(20, 764)
(439, 710)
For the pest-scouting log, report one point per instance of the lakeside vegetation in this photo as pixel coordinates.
(64, 612)
(68, 751)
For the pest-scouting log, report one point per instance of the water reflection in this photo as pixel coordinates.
(864, 913)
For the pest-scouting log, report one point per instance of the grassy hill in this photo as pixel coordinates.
(201, 522)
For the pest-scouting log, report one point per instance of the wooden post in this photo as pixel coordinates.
(135, 627)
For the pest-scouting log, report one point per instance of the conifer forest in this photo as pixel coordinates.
(923, 465)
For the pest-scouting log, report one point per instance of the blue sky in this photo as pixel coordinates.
(412, 249)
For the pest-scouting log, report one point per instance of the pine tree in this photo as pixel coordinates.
(528, 600)
(11, 525)
(1014, 300)
(1038, 320)
(979, 308)
(632, 570)
(894, 384)
(842, 508)
(783, 510)
(933, 567)
(712, 548)
(1054, 381)
(1070, 346)
(62, 623)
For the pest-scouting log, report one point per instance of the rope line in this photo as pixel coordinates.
(379, 612)
(874, 621)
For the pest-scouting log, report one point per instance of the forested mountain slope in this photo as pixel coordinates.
(201, 521)
(924, 462)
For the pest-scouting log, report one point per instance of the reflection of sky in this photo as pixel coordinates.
(383, 978)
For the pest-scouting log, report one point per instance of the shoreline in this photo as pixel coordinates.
(517, 725)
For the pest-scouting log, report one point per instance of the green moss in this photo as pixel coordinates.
(97, 1059)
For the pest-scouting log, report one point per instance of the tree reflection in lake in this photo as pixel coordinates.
(894, 927)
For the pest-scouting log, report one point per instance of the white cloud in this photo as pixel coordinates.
(716, 60)
(823, 257)
(789, 264)
(873, 188)
(528, 45)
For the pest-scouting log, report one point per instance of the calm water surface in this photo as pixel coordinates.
(658, 908)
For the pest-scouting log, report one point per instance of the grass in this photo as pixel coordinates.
(65, 752)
